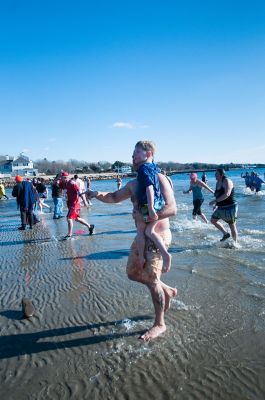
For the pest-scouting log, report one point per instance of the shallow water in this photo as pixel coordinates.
(83, 341)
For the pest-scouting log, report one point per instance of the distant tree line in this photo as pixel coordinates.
(75, 166)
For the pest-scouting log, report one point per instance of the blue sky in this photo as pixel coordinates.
(87, 79)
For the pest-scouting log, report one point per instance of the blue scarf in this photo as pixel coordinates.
(28, 196)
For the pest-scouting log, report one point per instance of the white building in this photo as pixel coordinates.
(21, 165)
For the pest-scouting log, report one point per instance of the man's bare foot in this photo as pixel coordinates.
(169, 294)
(166, 262)
(153, 333)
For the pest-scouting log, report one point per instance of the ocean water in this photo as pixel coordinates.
(83, 341)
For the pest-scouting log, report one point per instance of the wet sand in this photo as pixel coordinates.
(83, 341)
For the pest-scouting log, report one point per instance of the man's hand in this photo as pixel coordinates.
(152, 216)
(138, 217)
(90, 194)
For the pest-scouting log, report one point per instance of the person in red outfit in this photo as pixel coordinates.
(73, 204)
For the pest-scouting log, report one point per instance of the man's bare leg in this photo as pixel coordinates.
(169, 293)
(83, 222)
(234, 233)
(158, 241)
(203, 217)
(218, 225)
(70, 227)
(140, 242)
(159, 326)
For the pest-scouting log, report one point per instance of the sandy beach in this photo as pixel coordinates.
(82, 343)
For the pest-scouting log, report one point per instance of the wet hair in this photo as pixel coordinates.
(146, 145)
(193, 175)
(221, 171)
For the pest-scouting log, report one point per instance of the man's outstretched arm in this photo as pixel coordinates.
(111, 197)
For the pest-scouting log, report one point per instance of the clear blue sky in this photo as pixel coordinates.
(87, 79)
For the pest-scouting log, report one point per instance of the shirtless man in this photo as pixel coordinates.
(148, 275)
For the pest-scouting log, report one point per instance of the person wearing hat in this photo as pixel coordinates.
(73, 204)
(24, 193)
(196, 187)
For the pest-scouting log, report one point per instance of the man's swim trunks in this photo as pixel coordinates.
(73, 212)
(152, 269)
(226, 213)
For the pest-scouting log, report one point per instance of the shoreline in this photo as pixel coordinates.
(10, 181)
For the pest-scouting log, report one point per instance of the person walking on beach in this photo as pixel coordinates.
(87, 181)
(2, 191)
(43, 194)
(57, 196)
(150, 200)
(81, 185)
(225, 205)
(73, 204)
(161, 294)
(24, 193)
(196, 187)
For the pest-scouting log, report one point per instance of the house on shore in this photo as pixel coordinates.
(125, 169)
(21, 165)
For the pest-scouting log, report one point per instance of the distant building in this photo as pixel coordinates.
(6, 165)
(125, 169)
(21, 165)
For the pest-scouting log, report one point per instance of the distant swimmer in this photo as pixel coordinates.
(247, 179)
(119, 182)
(256, 183)
(196, 187)
(204, 177)
(226, 205)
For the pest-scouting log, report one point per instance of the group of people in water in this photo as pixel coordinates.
(224, 205)
(253, 181)
(153, 203)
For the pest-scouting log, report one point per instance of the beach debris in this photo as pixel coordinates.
(27, 307)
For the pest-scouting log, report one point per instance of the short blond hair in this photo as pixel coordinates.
(146, 145)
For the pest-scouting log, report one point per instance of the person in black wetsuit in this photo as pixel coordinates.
(204, 177)
(226, 205)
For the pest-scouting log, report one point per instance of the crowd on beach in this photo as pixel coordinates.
(153, 204)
